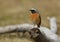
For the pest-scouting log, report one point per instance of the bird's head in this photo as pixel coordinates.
(33, 10)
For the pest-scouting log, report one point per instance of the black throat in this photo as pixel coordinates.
(33, 11)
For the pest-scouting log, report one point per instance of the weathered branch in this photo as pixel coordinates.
(15, 28)
(22, 27)
(53, 25)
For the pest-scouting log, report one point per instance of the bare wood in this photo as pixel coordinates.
(15, 28)
(21, 27)
(53, 25)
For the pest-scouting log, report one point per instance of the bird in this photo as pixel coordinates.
(35, 17)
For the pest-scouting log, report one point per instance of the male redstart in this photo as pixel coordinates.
(35, 16)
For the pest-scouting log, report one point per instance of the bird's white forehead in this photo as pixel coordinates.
(32, 9)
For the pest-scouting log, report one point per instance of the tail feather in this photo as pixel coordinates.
(38, 25)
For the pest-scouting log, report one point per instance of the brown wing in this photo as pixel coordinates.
(39, 22)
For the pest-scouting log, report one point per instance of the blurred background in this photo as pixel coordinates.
(17, 11)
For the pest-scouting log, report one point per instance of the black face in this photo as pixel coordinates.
(33, 11)
(34, 32)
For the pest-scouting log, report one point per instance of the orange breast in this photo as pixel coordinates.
(34, 16)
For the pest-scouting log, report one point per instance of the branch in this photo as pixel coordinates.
(53, 24)
(15, 28)
(23, 27)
